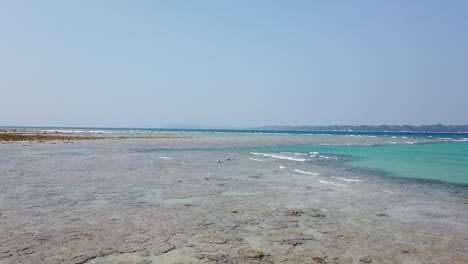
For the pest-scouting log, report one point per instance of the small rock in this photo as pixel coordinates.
(218, 161)
(318, 260)
(42, 237)
(216, 258)
(213, 240)
(365, 259)
(294, 213)
(235, 212)
(252, 253)
(5, 255)
(315, 214)
(382, 214)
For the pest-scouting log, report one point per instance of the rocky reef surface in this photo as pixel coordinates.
(199, 199)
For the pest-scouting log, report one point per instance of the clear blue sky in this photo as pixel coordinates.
(233, 63)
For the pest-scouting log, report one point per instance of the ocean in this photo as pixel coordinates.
(441, 161)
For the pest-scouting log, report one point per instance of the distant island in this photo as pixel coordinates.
(382, 128)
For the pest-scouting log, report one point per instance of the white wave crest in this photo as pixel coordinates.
(326, 157)
(162, 157)
(279, 157)
(306, 172)
(257, 159)
(332, 183)
(346, 180)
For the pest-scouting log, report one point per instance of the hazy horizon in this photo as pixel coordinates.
(235, 64)
(196, 127)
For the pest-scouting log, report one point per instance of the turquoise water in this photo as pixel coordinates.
(446, 162)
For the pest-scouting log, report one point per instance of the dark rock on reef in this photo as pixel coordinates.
(318, 260)
(6, 254)
(294, 213)
(251, 253)
(365, 259)
(382, 215)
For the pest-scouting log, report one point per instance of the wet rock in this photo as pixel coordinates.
(294, 213)
(316, 214)
(334, 247)
(382, 215)
(216, 258)
(43, 237)
(235, 212)
(365, 259)
(213, 240)
(6, 254)
(318, 260)
(408, 251)
(161, 248)
(251, 253)
(292, 239)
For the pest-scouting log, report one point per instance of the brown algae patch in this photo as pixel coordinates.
(11, 137)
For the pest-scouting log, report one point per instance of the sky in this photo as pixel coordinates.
(227, 64)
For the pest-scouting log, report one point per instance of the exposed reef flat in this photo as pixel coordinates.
(199, 199)
(10, 135)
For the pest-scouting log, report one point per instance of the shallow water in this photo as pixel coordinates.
(171, 201)
(442, 161)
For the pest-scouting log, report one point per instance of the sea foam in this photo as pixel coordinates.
(346, 180)
(306, 172)
(332, 183)
(257, 159)
(279, 157)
